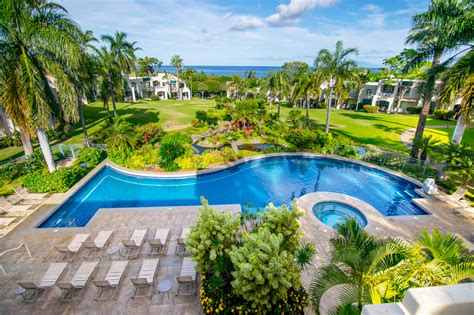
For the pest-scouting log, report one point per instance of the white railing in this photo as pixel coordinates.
(13, 249)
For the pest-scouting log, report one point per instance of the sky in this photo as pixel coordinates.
(252, 33)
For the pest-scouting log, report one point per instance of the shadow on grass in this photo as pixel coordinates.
(372, 118)
(381, 142)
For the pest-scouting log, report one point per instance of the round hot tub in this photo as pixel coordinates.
(332, 213)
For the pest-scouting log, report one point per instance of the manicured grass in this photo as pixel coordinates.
(11, 152)
(444, 134)
(377, 129)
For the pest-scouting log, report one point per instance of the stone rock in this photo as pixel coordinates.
(430, 187)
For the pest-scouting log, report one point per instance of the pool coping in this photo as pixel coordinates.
(173, 175)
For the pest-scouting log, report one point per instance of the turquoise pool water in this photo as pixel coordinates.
(332, 213)
(252, 184)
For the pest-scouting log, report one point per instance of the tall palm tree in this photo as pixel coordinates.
(177, 63)
(360, 265)
(270, 86)
(458, 81)
(446, 25)
(123, 53)
(38, 44)
(110, 72)
(335, 67)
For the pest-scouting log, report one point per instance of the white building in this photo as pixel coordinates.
(163, 85)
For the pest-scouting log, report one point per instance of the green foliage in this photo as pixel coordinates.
(322, 105)
(228, 154)
(371, 109)
(155, 98)
(58, 181)
(304, 255)
(172, 147)
(143, 157)
(296, 118)
(150, 133)
(91, 157)
(413, 109)
(302, 138)
(201, 116)
(11, 171)
(444, 114)
(285, 222)
(264, 270)
(211, 238)
(10, 141)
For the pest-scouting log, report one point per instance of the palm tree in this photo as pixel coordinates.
(271, 86)
(360, 265)
(39, 42)
(177, 62)
(123, 53)
(425, 146)
(458, 81)
(109, 71)
(146, 65)
(335, 67)
(442, 28)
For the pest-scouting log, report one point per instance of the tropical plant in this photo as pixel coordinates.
(425, 146)
(334, 68)
(452, 153)
(111, 79)
(458, 81)
(463, 172)
(360, 265)
(123, 53)
(177, 63)
(38, 40)
(210, 240)
(147, 65)
(445, 26)
(296, 118)
(122, 136)
(292, 73)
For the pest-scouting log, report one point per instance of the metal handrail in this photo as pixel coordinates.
(12, 249)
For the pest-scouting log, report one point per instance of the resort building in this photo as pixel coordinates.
(163, 85)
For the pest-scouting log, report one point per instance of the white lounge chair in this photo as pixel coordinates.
(112, 280)
(181, 247)
(6, 221)
(74, 246)
(24, 194)
(146, 277)
(134, 244)
(99, 243)
(158, 243)
(7, 207)
(49, 279)
(71, 290)
(187, 277)
(455, 199)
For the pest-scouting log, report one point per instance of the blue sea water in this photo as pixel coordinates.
(255, 183)
(261, 71)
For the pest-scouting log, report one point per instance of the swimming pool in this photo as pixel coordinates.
(252, 184)
(332, 213)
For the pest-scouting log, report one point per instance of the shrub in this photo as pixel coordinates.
(155, 98)
(296, 118)
(371, 109)
(201, 116)
(228, 154)
(444, 114)
(171, 148)
(10, 141)
(414, 110)
(58, 181)
(301, 138)
(143, 157)
(347, 151)
(11, 171)
(150, 133)
(322, 105)
(91, 157)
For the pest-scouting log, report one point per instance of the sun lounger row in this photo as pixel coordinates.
(131, 247)
(70, 290)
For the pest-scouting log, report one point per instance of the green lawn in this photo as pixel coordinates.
(378, 129)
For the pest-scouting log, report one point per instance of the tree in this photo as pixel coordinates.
(458, 81)
(202, 88)
(111, 77)
(147, 65)
(359, 265)
(177, 63)
(292, 71)
(39, 42)
(264, 270)
(211, 239)
(425, 146)
(444, 27)
(123, 53)
(334, 68)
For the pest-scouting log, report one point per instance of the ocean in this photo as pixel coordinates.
(261, 71)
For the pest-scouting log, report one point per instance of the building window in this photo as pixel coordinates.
(407, 92)
(369, 92)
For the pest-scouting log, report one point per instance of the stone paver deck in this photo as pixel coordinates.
(123, 221)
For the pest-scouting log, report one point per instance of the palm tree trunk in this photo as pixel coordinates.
(400, 97)
(328, 114)
(459, 130)
(46, 149)
(279, 107)
(307, 112)
(420, 128)
(26, 141)
(83, 120)
(106, 105)
(178, 85)
(112, 95)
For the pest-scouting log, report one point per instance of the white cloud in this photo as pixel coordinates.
(245, 22)
(374, 17)
(289, 14)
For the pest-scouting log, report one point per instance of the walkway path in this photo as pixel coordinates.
(407, 136)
